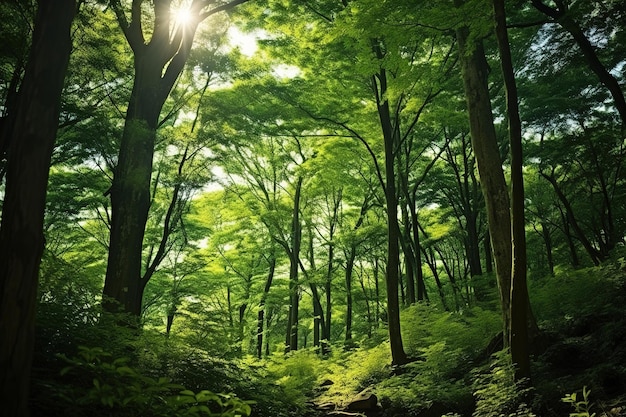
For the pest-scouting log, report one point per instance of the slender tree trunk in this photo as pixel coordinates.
(519, 344)
(547, 240)
(409, 258)
(417, 249)
(429, 257)
(349, 272)
(569, 238)
(30, 143)
(594, 254)
(488, 253)
(393, 229)
(366, 297)
(294, 286)
(328, 291)
(261, 313)
(475, 71)
(377, 290)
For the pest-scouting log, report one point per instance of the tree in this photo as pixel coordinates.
(519, 343)
(475, 70)
(158, 62)
(30, 142)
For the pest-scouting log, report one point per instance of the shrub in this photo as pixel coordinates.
(97, 384)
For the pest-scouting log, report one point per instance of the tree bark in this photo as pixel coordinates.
(519, 344)
(409, 256)
(261, 313)
(393, 229)
(475, 71)
(349, 271)
(488, 253)
(31, 141)
(294, 286)
(547, 240)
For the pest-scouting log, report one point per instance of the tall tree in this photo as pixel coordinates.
(519, 343)
(475, 70)
(30, 142)
(158, 62)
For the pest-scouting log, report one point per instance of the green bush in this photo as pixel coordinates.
(296, 373)
(98, 384)
(497, 394)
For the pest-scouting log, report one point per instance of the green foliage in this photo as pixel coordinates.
(354, 371)
(464, 333)
(122, 389)
(497, 394)
(296, 373)
(582, 408)
(572, 289)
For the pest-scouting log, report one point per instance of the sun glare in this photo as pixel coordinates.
(182, 16)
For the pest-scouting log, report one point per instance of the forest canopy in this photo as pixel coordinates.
(312, 208)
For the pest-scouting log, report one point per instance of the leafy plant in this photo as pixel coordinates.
(582, 408)
(497, 394)
(104, 383)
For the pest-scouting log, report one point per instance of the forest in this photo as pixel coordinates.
(309, 208)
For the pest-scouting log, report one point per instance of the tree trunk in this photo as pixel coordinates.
(393, 229)
(547, 240)
(261, 313)
(488, 253)
(130, 191)
(519, 343)
(431, 261)
(594, 254)
(158, 63)
(349, 271)
(475, 71)
(294, 259)
(30, 144)
(328, 289)
(409, 256)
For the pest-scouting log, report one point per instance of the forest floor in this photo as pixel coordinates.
(587, 351)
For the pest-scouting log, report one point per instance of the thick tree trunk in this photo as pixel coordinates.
(158, 64)
(475, 71)
(31, 140)
(130, 191)
(519, 344)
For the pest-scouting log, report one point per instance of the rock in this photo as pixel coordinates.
(364, 401)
